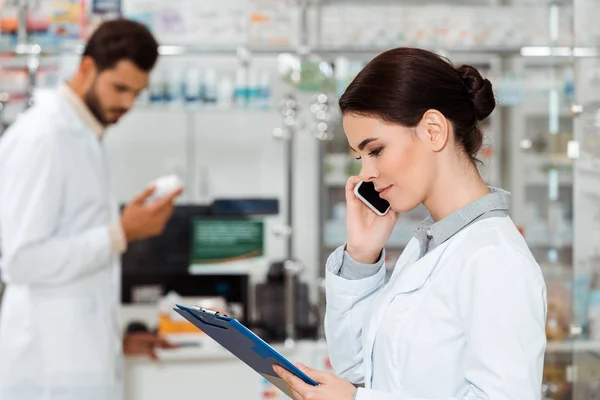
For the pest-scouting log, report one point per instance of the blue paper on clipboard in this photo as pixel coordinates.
(244, 344)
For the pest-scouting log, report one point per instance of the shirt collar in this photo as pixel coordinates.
(439, 232)
(82, 110)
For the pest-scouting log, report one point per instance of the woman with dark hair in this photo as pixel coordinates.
(463, 314)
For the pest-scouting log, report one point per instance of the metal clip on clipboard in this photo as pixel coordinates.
(212, 312)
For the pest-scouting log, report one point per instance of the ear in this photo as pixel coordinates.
(87, 67)
(434, 129)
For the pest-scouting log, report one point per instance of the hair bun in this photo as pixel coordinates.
(480, 91)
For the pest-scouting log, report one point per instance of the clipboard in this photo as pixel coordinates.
(244, 344)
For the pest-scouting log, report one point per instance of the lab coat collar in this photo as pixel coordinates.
(441, 231)
(82, 110)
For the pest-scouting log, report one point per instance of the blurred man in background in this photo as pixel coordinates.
(61, 232)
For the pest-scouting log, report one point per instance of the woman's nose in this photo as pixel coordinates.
(368, 173)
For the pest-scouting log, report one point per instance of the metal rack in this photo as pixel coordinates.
(31, 52)
(24, 48)
(291, 126)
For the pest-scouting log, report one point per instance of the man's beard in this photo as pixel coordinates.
(93, 104)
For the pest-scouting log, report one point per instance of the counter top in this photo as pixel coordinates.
(199, 369)
(207, 349)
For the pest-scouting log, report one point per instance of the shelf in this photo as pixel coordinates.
(541, 159)
(198, 109)
(563, 112)
(536, 164)
(580, 346)
(536, 180)
(335, 182)
(546, 51)
(524, 51)
(238, 268)
(547, 245)
(543, 181)
(75, 48)
(201, 270)
(554, 273)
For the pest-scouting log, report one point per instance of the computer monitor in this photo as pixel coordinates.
(168, 253)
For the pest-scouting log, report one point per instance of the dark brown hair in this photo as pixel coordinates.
(122, 39)
(400, 85)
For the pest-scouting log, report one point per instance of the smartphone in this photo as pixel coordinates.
(366, 192)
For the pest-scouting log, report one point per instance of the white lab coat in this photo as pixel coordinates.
(59, 330)
(466, 321)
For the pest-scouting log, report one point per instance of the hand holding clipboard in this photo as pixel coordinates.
(296, 381)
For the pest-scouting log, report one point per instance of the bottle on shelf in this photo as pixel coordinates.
(209, 97)
(193, 86)
(240, 92)
(157, 87)
(264, 91)
(225, 95)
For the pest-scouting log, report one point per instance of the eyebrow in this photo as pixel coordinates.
(364, 143)
(125, 86)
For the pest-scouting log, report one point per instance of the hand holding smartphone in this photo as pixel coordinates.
(369, 228)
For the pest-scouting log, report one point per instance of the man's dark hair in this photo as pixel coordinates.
(122, 39)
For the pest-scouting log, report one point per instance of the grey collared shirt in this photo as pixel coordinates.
(429, 233)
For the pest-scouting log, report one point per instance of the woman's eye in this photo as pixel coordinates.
(376, 152)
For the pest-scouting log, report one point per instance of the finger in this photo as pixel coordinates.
(153, 354)
(150, 343)
(149, 339)
(162, 209)
(317, 376)
(296, 395)
(165, 214)
(393, 215)
(165, 344)
(144, 195)
(350, 184)
(168, 200)
(285, 375)
(296, 384)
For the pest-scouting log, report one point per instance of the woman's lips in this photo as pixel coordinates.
(384, 191)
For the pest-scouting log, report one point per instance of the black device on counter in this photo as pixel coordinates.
(270, 307)
(161, 264)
